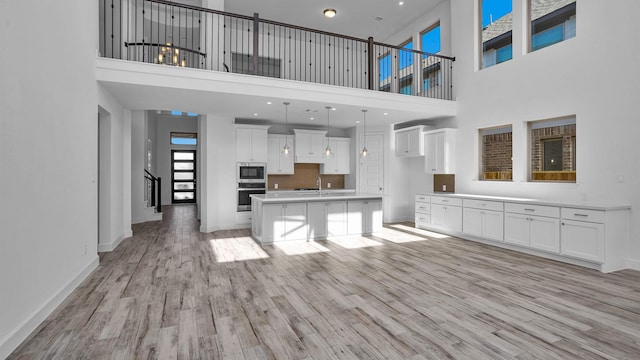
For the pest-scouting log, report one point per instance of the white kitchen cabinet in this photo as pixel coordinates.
(340, 160)
(251, 143)
(422, 211)
(483, 219)
(364, 216)
(277, 162)
(310, 145)
(582, 234)
(540, 231)
(409, 142)
(282, 222)
(439, 153)
(483, 223)
(446, 213)
(326, 219)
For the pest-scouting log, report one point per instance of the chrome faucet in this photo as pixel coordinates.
(319, 183)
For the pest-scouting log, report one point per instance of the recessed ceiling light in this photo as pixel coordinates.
(333, 109)
(311, 118)
(268, 102)
(357, 121)
(329, 13)
(385, 114)
(255, 114)
(401, 3)
(379, 18)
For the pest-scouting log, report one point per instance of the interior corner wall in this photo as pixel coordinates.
(563, 79)
(115, 159)
(49, 147)
(138, 153)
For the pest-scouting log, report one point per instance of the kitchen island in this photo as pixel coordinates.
(313, 216)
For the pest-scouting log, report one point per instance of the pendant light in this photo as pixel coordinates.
(327, 151)
(286, 150)
(364, 151)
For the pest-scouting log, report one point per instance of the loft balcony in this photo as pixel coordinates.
(184, 36)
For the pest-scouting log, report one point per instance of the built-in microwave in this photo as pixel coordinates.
(252, 172)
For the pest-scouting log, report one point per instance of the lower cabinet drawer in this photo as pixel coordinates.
(423, 218)
(422, 207)
(539, 210)
(595, 216)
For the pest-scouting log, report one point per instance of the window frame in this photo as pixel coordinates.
(493, 130)
(571, 9)
(569, 171)
(501, 41)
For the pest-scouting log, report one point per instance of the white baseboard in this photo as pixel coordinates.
(211, 229)
(10, 342)
(113, 245)
(633, 264)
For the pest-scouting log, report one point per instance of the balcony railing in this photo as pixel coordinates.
(163, 32)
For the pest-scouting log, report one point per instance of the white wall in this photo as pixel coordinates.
(592, 76)
(139, 212)
(115, 164)
(218, 173)
(48, 156)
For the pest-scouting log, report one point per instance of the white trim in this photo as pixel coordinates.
(224, 227)
(113, 245)
(633, 264)
(10, 342)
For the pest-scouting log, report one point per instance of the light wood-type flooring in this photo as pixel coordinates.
(171, 292)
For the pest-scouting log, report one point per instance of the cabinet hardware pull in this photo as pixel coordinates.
(483, 204)
(583, 215)
(529, 209)
(562, 224)
(445, 200)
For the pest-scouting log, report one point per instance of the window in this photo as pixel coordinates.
(552, 21)
(497, 155)
(384, 64)
(553, 150)
(497, 25)
(430, 42)
(184, 138)
(405, 68)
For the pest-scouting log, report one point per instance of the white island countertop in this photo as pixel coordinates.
(578, 205)
(280, 197)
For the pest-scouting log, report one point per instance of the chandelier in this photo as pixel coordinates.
(170, 55)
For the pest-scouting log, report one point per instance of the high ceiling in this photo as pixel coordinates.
(354, 17)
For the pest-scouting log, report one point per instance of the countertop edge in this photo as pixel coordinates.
(584, 206)
(286, 198)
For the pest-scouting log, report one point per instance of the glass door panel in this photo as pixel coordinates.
(183, 175)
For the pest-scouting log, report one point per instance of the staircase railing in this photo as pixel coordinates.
(153, 194)
(163, 32)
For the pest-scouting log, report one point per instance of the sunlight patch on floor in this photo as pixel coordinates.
(301, 247)
(422, 232)
(236, 249)
(354, 242)
(398, 237)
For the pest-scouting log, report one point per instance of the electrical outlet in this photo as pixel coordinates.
(275, 186)
(328, 185)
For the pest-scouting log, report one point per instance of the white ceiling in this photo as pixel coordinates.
(354, 17)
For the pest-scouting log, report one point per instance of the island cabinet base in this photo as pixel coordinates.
(314, 217)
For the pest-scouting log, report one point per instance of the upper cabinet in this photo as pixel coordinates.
(409, 142)
(339, 162)
(277, 162)
(439, 151)
(310, 145)
(251, 143)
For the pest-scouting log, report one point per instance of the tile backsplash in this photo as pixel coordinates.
(444, 183)
(305, 176)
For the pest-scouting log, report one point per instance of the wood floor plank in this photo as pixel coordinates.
(171, 292)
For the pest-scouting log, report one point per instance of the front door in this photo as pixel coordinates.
(183, 176)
